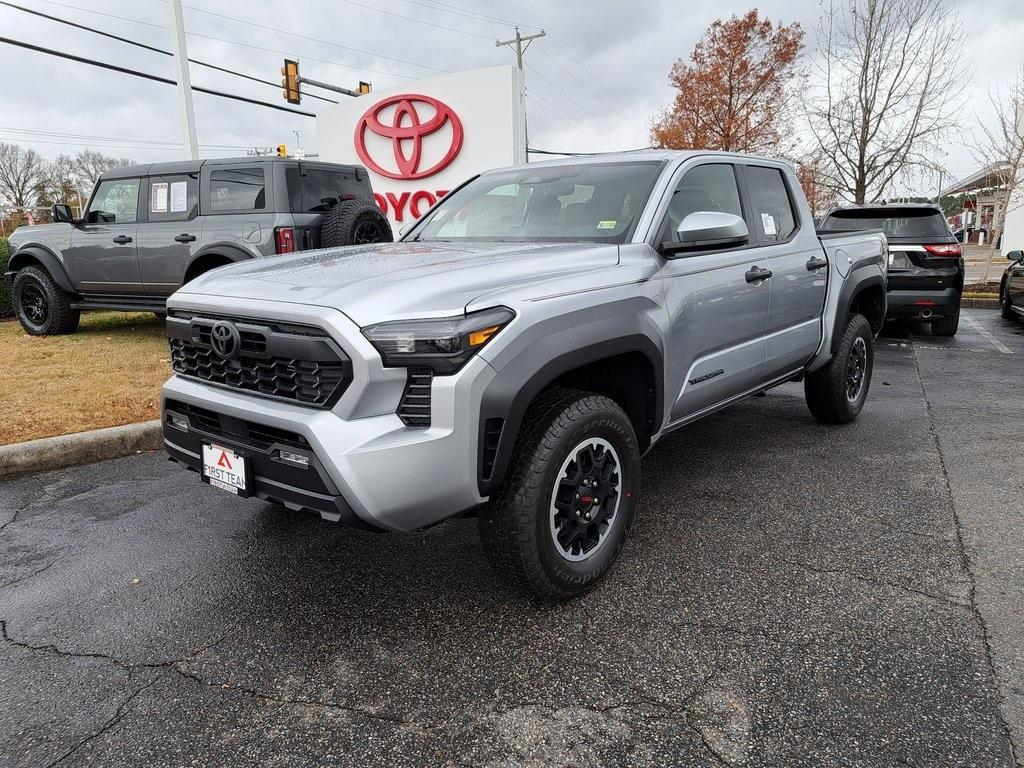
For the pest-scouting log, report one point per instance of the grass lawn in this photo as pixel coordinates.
(106, 374)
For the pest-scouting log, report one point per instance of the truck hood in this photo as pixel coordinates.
(390, 281)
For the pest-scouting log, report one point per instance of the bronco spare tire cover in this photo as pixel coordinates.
(354, 222)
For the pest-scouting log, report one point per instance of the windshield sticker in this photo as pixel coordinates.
(606, 224)
(768, 224)
(179, 196)
(158, 197)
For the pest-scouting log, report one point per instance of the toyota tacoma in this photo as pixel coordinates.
(520, 348)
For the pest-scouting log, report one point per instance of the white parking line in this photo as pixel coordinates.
(987, 336)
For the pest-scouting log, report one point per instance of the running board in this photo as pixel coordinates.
(122, 304)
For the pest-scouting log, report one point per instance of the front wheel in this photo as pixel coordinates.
(43, 307)
(560, 519)
(836, 393)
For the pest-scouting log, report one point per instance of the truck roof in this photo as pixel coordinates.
(193, 166)
(649, 153)
(884, 207)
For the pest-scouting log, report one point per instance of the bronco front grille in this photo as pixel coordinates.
(299, 364)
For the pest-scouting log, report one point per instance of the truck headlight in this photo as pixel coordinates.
(443, 345)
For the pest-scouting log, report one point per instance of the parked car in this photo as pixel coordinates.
(149, 229)
(926, 265)
(1011, 286)
(514, 355)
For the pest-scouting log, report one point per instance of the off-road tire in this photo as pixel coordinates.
(1005, 305)
(354, 222)
(515, 526)
(826, 388)
(947, 326)
(35, 283)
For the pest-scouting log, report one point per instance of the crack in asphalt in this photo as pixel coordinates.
(119, 713)
(965, 561)
(947, 599)
(28, 576)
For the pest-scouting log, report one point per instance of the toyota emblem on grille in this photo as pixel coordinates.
(225, 339)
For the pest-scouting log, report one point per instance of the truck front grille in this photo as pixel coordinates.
(299, 364)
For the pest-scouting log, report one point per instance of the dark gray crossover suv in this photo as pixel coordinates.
(926, 265)
(149, 229)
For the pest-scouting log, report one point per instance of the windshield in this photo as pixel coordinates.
(592, 202)
(895, 222)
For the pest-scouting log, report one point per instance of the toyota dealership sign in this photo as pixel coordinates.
(422, 140)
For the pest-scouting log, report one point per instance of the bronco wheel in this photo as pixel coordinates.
(42, 307)
(836, 393)
(560, 519)
(353, 222)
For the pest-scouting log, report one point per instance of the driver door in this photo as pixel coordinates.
(718, 315)
(103, 256)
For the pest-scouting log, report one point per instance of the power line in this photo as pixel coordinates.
(448, 8)
(163, 27)
(278, 31)
(152, 48)
(147, 76)
(418, 21)
(566, 118)
(580, 64)
(8, 129)
(579, 106)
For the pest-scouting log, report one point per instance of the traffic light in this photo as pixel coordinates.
(282, 150)
(364, 87)
(290, 82)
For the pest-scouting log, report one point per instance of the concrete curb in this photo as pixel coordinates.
(979, 303)
(80, 448)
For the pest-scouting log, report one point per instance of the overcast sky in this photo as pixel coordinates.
(598, 78)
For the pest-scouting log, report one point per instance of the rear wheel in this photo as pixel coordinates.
(562, 516)
(947, 326)
(1005, 305)
(42, 306)
(836, 393)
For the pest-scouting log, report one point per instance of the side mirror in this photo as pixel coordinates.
(707, 230)
(1015, 255)
(62, 213)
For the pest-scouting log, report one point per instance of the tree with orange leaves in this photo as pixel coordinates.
(732, 92)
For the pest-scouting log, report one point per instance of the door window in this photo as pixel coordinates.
(773, 209)
(710, 187)
(238, 189)
(116, 202)
(173, 198)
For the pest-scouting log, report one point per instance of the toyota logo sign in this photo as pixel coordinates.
(414, 119)
(225, 339)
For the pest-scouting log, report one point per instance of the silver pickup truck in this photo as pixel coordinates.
(520, 348)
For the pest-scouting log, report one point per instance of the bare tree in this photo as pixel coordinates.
(1000, 148)
(20, 173)
(888, 76)
(89, 164)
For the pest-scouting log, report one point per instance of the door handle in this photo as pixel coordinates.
(816, 262)
(185, 238)
(756, 274)
(122, 239)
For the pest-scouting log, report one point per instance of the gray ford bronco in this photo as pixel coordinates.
(520, 348)
(148, 229)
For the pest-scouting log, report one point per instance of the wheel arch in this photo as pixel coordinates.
(211, 257)
(631, 369)
(863, 293)
(40, 256)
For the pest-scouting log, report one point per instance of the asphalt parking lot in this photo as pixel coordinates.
(792, 594)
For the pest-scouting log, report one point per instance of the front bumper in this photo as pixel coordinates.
(922, 305)
(365, 464)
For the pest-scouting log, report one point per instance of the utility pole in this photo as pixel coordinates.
(188, 113)
(520, 50)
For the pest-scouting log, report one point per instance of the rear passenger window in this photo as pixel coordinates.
(173, 198)
(773, 209)
(238, 189)
(314, 190)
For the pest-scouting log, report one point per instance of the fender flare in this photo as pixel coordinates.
(860, 278)
(509, 394)
(51, 263)
(232, 253)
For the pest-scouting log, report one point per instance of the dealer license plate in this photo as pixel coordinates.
(225, 469)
